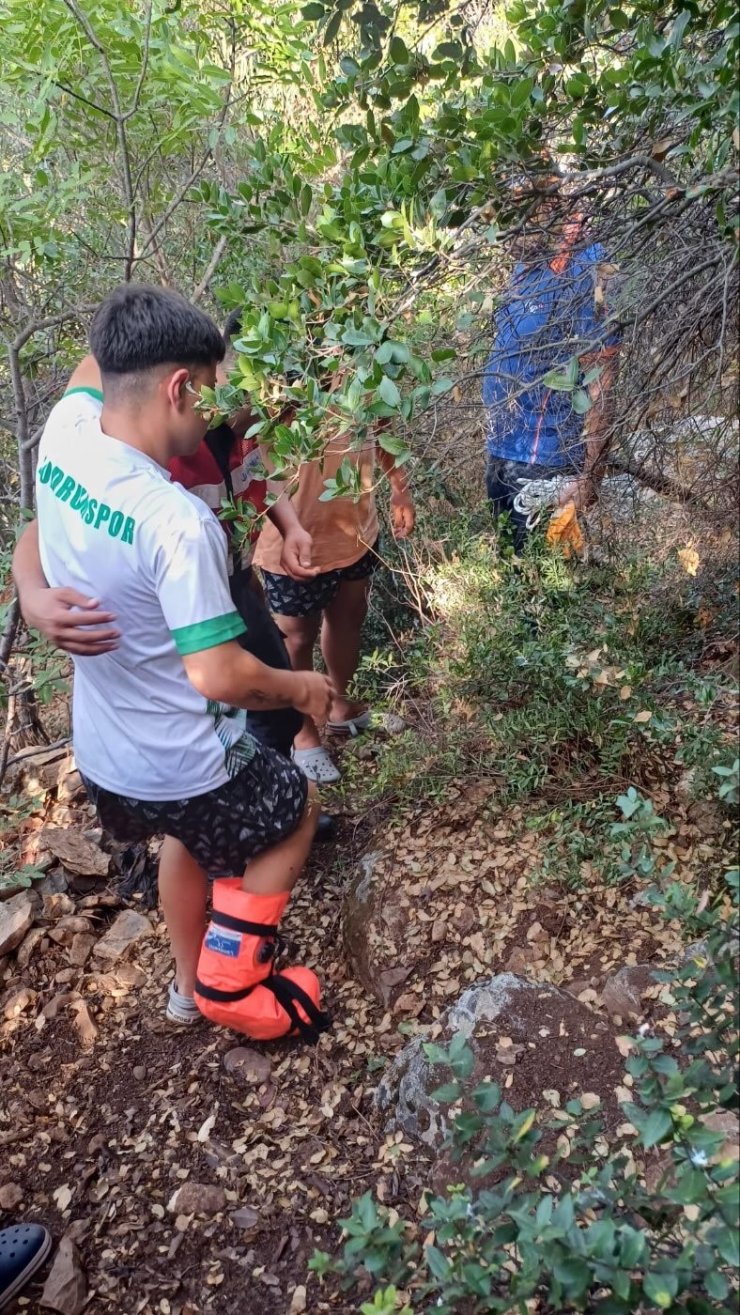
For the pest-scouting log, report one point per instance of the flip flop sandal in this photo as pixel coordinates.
(354, 725)
(23, 1250)
(317, 765)
(181, 1009)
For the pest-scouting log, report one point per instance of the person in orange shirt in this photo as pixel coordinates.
(332, 606)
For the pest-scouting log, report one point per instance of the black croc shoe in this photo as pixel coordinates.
(23, 1250)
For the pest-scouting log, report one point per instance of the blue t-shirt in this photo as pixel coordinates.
(547, 319)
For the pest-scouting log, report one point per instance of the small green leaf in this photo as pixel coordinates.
(398, 52)
(581, 402)
(389, 392)
(660, 1288)
(448, 1092)
(656, 1128)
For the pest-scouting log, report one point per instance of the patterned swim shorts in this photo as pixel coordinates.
(288, 597)
(223, 828)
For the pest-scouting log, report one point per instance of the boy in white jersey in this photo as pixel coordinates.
(159, 732)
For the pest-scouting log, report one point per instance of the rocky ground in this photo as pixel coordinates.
(188, 1173)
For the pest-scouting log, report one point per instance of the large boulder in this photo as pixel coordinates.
(375, 925)
(537, 1042)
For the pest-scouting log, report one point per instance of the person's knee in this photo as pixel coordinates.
(349, 608)
(300, 634)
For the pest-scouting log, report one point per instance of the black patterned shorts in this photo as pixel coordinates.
(288, 597)
(223, 828)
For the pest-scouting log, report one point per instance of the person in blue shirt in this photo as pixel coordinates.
(547, 381)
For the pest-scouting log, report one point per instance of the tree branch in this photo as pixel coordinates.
(210, 269)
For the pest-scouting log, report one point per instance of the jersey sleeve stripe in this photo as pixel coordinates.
(207, 634)
(83, 388)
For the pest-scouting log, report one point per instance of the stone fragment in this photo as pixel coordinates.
(198, 1199)
(16, 918)
(57, 903)
(80, 948)
(65, 1290)
(18, 1002)
(128, 929)
(250, 1066)
(77, 853)
(11, 1195)
(64, 932)
(27, 949)
(54, 883)
(623, 993)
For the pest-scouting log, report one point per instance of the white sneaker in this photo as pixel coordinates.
(181, 1009)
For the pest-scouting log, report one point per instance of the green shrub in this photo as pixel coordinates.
(604, 1240)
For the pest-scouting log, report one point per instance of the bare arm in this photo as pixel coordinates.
(596, 430)
(403, 515)
(228, 674)
(583, 491)
(68, 619)
(297, 543)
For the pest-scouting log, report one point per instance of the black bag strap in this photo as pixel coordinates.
(224, 997)
(288, 994)
(240, 924)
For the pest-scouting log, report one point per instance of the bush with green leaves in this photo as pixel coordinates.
(587, 1232)
(542, 674)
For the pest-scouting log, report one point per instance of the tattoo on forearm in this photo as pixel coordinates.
(257, 699)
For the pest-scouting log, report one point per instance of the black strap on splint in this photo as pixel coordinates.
(288, 994)
(224, 997)
(240, 924)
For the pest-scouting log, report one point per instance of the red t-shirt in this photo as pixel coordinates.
(202, 475)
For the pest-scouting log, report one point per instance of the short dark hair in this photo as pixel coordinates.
(139, 327)
(232, 327)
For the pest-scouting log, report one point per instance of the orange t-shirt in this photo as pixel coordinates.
(342, 529)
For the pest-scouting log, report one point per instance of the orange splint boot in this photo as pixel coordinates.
(237, 986)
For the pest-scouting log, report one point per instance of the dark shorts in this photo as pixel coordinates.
(223, 828)
(288, 597)
(504, 479)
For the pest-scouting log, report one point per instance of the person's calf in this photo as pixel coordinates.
(183, 892)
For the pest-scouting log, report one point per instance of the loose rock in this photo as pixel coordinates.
(16, 918)
(27, 949)
(76, 853)
(11, 1196)
(245, 1217)
(65, 1289)
(80, 949)
(623, 994)
(198, 1199)
(128, 929)
(249, 1066)
(18, 1001)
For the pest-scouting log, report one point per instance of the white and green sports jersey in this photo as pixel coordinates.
(113, 526)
